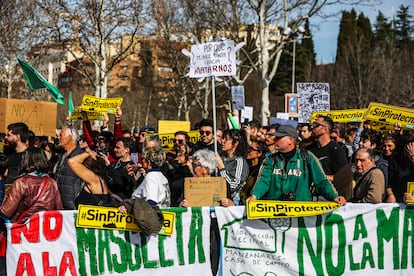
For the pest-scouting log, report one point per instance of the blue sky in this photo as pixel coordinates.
(325, 33)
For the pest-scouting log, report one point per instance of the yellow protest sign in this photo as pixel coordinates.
(92, 115)
(410, 190)
(380, 126)
(259, 209)
(390, 115)
(167, 139)
(341, 116)
(1, 146)
(110, 218)
(165, 126)
(108, 105)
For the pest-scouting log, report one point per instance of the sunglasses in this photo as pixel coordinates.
(207, 132)
(316, 124)
(180, 141)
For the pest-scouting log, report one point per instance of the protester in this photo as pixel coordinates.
(17, 141)
(178, 170)
(370, 181)
(120, 175)
(203, 164)
(255, 156)
(33, 191)
(397, 192)
(232, 165)
(90, 167)
(68, 182)
(305, 134)
(4, 162)
(287, 175)
(205, 128)
(270, 140)
(154, 188)
(332, 156)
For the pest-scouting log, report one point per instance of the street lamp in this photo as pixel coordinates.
(299, 30)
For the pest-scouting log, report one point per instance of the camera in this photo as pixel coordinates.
(291, 196)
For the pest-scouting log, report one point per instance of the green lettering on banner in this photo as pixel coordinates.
(408, 234)
(337, 220)
(104, 251)
(367, 256)
(387, 229)
(122, 266)
(147, 263)
(196, 237)
(360, 229)
(179, 231)
(161, 249)
(86, 242)
(137, 253)
(304, 238)
(352, 264)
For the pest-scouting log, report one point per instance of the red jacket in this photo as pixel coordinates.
(27, 193)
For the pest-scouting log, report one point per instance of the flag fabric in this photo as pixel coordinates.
(37, 81)
(71, 107)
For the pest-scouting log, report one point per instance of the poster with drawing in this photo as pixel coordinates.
(312, 97)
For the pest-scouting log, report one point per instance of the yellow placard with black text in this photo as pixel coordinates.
(108, 105)
(92, 115)
(110, 218)
(390, 115)
(341, 116)
(260, 209)
(167, 139)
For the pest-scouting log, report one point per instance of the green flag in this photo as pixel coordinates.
(36, 81)
(71, 107)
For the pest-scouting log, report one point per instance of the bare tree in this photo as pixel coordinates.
(96, 35)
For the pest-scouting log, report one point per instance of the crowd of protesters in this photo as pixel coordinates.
(319, 161)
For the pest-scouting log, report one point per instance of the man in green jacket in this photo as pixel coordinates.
(288, 173)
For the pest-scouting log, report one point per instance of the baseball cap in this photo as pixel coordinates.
(286, 130)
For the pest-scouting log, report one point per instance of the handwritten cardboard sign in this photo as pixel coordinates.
(39, 116)
(204, 191)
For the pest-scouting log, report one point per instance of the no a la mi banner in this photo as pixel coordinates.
(260, 209)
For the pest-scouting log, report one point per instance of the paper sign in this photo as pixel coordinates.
(165, 126)
(204, 191)
(108, 105)
(213, 59)
(92, 115)
(167, 139)
(237, 97)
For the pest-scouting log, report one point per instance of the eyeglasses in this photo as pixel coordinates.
(207, 132)
(142, 134)
(180, 141)
(316, 124)
(271, 134)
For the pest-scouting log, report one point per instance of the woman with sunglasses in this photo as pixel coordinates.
(232, 164)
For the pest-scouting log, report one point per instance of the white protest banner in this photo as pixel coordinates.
(312, 97)
(50, 244)
(356, 239)
(213, 59)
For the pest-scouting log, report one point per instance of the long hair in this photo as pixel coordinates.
(237, 136)
(34, 160)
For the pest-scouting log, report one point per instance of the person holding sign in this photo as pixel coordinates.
(288, 173)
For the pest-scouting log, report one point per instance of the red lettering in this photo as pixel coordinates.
(47, 269)
(67, 263)
(52, 219)
(30, 230)
(25, 265)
